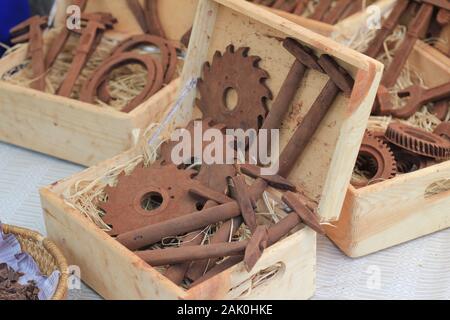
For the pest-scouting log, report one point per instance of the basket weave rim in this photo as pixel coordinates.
(52, 249)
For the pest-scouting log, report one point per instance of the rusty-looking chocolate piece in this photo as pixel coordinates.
(418, 141)
(154, 77)
(151, 234)
(388, 26)
(409, 162)
(444, 4)
(339, 81)
(31, 31)
(168, 52)
(443, 130)
(377, 158)
(321, 9)
(245, 204)
(299, 205)
(303, 58)
(275, 181)
(177, 272)
(234, 71)
(149, 195)
(213, 176)
(60, 40)
(12, 290)
(276, 233)
(139, 14)
(151, 15)
(252, 248)
(440, 109)
(418, 96)
(416, 30)
(96, 24)
(337, 11)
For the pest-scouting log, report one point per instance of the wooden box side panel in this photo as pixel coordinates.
(296, 258)
(317, 26)
(108, 267)
(60, 127)
(325, 167)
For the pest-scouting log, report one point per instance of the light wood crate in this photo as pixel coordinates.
(398, 210)
(76, 131)
(323, 171)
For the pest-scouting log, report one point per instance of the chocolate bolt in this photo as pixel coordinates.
(339, 81)
(244, 201)
(33, 33)
(387, 28)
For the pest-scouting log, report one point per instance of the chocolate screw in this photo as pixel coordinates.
(89, 37)
(339, 81)
(418, 97)
(60, 41)
(416, 29)
(387, 28)
(33, 28)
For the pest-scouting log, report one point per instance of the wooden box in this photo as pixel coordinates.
(323, 171)
(404, 208)
(77, 131)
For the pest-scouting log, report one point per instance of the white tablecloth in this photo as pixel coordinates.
(417, 270)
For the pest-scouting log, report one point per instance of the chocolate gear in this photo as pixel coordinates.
(165, 184)
(418, 141)
(213, 176)
(238, 71)
(381, 160)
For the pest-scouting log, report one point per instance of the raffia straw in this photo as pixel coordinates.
(125, 83)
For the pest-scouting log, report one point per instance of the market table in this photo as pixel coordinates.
(416, 270)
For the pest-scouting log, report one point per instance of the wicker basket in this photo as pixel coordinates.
(46, 254)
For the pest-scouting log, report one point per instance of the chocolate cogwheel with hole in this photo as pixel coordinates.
(213, 176)
(377, 158)
(147, 196)
(418, 141)
(234, 72)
